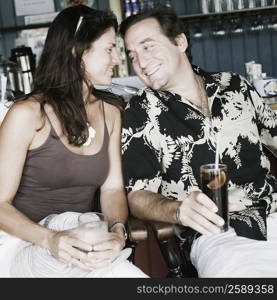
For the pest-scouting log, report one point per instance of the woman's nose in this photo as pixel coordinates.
(116, 58)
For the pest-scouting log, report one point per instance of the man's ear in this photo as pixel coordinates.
(181, 42)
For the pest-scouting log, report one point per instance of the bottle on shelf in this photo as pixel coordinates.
(127, 8)
(251, 3)
(240, 4)
(217, 4)
(264, 3)
(206, 6)
(168, 3)
(136, 7)
(229, 5)
(143, 4)
(150, 3)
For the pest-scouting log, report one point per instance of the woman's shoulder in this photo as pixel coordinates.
(27, 110)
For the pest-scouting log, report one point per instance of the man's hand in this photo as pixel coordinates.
(198, 211)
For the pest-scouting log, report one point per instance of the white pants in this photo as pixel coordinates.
(10, 247)
(228, 255)
(22, 259)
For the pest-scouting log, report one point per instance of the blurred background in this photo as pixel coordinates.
(226, 35)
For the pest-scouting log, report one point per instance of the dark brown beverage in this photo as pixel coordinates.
(214, 184)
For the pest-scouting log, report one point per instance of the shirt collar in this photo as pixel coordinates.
(212, 81)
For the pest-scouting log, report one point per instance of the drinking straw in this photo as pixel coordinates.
(217, 151)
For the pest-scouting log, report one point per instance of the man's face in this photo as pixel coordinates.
(156, 60)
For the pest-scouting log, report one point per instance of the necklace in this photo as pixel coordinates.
(91, 135)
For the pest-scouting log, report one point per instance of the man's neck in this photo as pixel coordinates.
(187, 85)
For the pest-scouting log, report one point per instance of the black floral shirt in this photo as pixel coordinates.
(165, 139)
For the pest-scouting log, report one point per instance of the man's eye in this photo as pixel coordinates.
(147, 47)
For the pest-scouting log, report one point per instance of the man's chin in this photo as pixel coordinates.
(156, 85)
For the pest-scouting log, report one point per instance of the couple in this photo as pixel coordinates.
(52, 142)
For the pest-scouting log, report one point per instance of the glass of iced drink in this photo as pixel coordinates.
(94, 227)
(214, 182)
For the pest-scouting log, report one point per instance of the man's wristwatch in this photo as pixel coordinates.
(111, 229)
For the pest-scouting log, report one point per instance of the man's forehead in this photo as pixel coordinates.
(143, 31)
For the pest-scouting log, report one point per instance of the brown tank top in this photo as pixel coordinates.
(55, 179)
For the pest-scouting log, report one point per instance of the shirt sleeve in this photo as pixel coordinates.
(140, 147)
(267, 121)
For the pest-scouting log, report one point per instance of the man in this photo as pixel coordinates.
(171, 128)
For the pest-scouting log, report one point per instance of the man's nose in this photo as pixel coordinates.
(143, 59)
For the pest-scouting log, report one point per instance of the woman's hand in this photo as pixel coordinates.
(106, 251)
(67, 247)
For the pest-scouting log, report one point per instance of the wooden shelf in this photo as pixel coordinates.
(23, 27)
(267, 10)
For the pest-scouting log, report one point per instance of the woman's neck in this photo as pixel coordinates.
(88, 97)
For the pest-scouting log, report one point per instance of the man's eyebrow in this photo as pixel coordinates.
(146, 40)
(141, 43)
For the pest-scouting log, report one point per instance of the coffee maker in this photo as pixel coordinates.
(21, 75)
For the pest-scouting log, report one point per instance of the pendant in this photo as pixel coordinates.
(91, 135)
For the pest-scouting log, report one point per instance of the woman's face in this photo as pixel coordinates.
(101, 58)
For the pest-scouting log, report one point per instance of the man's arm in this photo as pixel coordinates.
(142, 171)
(196, 211)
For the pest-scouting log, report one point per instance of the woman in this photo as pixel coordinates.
(62, 142)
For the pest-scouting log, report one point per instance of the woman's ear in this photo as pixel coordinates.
(181, 42)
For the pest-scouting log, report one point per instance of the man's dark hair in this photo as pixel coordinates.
(168, 20)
